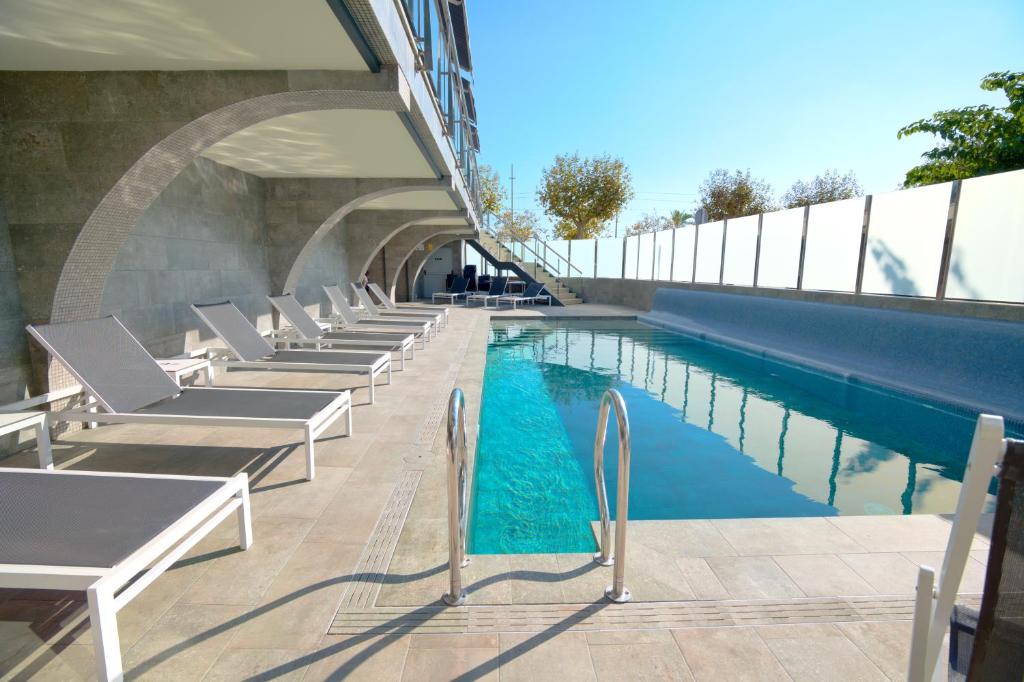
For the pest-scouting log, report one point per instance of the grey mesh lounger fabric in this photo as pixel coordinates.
(255, 352)
(435, 318)
(386, 301)
(59, 520)
(116, 370)
(351, 319)
(309, 330)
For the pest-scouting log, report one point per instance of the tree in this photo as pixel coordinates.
(823, 188)
(679, 218)
(517, 227)
(973, 140)
(725, 195)
(582, 195)
(651, 222)
(492, 194)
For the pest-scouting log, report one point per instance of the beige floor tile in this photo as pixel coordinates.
(582, 581)
(887, 573)
(637, 655)
(753, 578)
(701, 579)
(653, 576)
(973, 579)
(562, 656)
(733, 653)
(823, 575)
(277, 664)
(818, 652)
(486, 579)
(887, 644)
(678, 539)
(765, 537)
(534, 579)
(447, 657)
(917, 532)
(373, 659)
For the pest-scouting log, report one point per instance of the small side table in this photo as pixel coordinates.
(12, 422)
(176, 368)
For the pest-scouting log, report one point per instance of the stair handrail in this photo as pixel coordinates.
(617, 591)
(540, 259)
(458, 498)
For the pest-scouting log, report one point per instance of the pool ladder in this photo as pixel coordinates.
(617, 591)
(458, 496)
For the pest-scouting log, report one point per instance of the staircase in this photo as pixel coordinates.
(530, 270)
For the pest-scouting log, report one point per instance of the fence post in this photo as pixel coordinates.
(757, 247)
(721, 264)
(596, 242)
(623, 258)
(947, 244)
(672, 256)
(696, 240)
(803, 250)
(568, 258)
(863, 244)
(637, 257)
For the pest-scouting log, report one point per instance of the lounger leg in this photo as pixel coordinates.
(244, 517)
(43, 446)
(401, 352)
(372, 396)
(106, 643)
(389, 374)
(92, 410)
(412, 349)
(348, 414)
(310, 465)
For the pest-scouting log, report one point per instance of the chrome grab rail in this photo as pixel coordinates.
(541, 260)
(458, 498)
(617, 591)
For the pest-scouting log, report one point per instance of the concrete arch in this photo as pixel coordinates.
(80, 288)
(417, 261)
(371, 189)
(407, 245)
(366, 256)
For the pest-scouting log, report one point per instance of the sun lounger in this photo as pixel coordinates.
(497, 289)
(386, 301)
(458, 290)
(348, 318)
(130, 387)
(376, 311)
(533, 293)
(247, 349)
(306, 331)
(108, 534)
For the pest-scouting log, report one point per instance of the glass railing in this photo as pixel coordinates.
(960, 240)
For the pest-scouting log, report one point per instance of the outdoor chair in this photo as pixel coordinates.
(305, 331)
(985, 644)
(248, 349)
(459, 287)
(128, 386)
(496, 290)
(108, 534)
(386, 301)
(533, 293)
(374, 310)
(347, 318)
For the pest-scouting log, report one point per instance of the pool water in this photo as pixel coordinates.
(716, 433)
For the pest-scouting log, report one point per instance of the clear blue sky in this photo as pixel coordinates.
(678, 88)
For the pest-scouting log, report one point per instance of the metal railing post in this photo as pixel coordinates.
(596, 242)
(803, 250)
(617, 591)
(458, 498)
(757, 248)
(947, 244)
(721, 265)
(696, 241)
(862, 256)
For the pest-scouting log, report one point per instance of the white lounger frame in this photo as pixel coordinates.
(386, 301)
(340, 322)
(933, 607)
(291, 339)
(229, 358)
(108, 590)
(412, 317)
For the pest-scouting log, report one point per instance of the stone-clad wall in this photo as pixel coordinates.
(203, 239)
(13, 355)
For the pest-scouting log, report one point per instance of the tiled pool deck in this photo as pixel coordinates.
(346, 572)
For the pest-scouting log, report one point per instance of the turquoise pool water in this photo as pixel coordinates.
(716, 434)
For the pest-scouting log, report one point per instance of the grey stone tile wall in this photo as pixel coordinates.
(203, 239)
(14, 367)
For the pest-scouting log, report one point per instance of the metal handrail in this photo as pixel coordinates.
(458, 498)
(617, 591)
(540, 259)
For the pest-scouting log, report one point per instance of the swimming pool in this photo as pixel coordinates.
(716, 433)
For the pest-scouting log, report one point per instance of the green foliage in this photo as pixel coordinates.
(517, 227)
(973, 140)
(651, 222)
(732, 195)
(823, 188)
(492, 194)
(582, 195)
(679, 218)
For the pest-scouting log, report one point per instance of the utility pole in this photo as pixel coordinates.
(616, 225)
(512, 192)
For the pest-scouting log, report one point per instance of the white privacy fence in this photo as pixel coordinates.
(962, 239)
